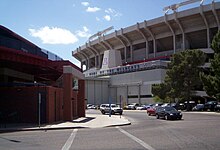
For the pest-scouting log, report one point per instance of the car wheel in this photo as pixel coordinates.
(148, 114)
(120, 113)
(157, 116)
(113, 112)
(103, 112)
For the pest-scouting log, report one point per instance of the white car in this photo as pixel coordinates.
(102, 106)
(105, 108)
(90, 106)
(133, 106)
(142, 107)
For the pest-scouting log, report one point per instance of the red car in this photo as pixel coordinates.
(151, 111)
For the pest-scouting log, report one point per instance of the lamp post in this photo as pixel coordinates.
(110, 109)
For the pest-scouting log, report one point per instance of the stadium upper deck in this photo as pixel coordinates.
(189, 29)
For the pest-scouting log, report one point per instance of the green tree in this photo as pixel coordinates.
(211, 81)
(160, 91)
(182, 76)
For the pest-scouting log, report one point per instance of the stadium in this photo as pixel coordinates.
(121, 66)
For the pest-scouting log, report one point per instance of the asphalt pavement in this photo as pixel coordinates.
(92, 120)
(196, 131)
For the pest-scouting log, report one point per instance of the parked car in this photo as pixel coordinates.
(133, 106)
(102, 106)
(149, 106)
(210, 105)
(158, 104)
(90, 106)
(142, 107)
(180, 106)
(113, 109)
(198, 107)
(126, 106)
(175, 105)
(151, 111)
(168, 113)
(217, 107)
(189, 105)
(165, 104)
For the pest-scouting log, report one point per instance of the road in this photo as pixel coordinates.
(195, 131)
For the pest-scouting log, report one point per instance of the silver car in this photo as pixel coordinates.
(114, 109)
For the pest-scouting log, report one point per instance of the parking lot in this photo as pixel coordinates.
(196, 131)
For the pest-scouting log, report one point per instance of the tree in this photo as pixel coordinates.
(160, 91)
(211, 81)
(182, 75)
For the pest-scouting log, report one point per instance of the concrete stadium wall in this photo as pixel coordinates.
(134, 87)
(141, 77)
(96, 91)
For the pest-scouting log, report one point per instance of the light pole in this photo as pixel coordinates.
(110, 109)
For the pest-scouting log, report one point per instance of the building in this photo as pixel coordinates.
(36, 86)
(145, 48)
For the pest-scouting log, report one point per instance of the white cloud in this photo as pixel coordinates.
(93, 9)
(97, 18)
(85, 29)
(107, 17)
(54, 35)
(113, 12)
(84, 33)
(109, 10)
(85, 3)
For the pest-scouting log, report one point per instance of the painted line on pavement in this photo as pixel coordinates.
(69, 142)
(145, 145)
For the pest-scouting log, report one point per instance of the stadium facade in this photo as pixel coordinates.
(145, 49)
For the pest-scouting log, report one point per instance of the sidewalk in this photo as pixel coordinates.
(90, 121)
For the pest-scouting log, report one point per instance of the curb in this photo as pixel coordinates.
(37, 129)
(117, 125)
(55, 128)
(201, 112)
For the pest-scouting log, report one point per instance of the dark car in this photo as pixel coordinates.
(210, 105)
(198, 107)
(189, 105)
(168, 113)
(217, 107)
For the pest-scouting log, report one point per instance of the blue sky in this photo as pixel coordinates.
(60, 26)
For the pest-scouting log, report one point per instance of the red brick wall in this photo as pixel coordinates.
(60, 104)
(67, 97)
(74, 104)
(24, 101)
(81, 99)
(21, 100)
(54, 111)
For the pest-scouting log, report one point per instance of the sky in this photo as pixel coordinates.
(61, 26)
